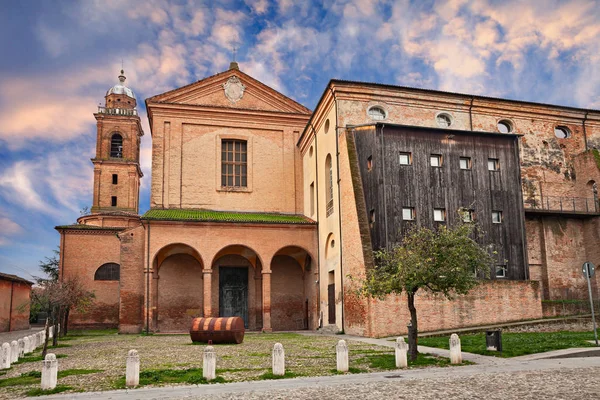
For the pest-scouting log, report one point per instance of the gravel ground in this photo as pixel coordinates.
(305, 356)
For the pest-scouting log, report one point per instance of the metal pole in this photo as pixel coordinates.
(587, 275)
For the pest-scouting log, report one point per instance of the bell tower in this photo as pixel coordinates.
(117, 170)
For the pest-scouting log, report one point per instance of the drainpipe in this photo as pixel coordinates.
(12, 290)
(148, 282)
(337, 161)
(318, 238)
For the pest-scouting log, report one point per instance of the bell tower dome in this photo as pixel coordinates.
(117, 170)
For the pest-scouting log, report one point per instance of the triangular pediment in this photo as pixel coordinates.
(233, 89)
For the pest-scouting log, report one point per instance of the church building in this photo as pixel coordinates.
(265, 210)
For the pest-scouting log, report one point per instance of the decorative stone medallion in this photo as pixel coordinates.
(234, 89)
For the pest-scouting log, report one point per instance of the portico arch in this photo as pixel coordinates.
(178, 287)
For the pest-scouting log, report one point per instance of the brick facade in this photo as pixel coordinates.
(15, 297)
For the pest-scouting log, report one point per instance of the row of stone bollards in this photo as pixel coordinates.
(11, 352)
(209, 362)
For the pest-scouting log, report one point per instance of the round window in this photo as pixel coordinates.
(562, 132)
(443, 120)
(505, 126)
(376, 113)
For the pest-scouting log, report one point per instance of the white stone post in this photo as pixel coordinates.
(26, 345)
(50, 331)
(21, 343)
(49, 372)
(209, 364)
(14, 351)
(278, 360)
(455, 352)
(5, 356)
(341, 351)
(132, 372)
(401, 350)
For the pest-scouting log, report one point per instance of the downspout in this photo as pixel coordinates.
(471, 113)
(148, 281)
(12, 291)
(318, 238)
(337, 161)
(584, 131)
(385, 216)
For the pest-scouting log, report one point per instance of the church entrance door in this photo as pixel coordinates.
(233, 292)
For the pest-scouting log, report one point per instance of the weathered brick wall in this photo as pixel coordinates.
(82, 253)
(133, 280)
(16, 318)
(492, 302)
(287, 294)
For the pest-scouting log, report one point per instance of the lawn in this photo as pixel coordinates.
(95, 360)
(516, 344)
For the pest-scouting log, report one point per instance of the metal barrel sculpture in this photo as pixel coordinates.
(217, 330)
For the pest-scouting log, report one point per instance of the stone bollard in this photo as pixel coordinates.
(401, 350)
(341, 351)
(5, 356)
(132, 372)
(455, 352)
(34, 341)
(21, 343)
(49, 372)
(278, 360)
(26, 345)
(209, 364)
(14, 351)
(50, 330)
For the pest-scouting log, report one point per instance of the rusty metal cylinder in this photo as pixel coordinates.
(217, 330)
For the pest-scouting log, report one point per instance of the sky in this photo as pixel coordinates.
(58, 59)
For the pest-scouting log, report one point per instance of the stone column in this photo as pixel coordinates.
(207, 302)
(49, 372)
(341, 351)
(14, 351)
(132, 370)
(209, 363)
(21, 343)
(26, 345)
(278, 360)
(455, 351)
(5, 356)
(266, 303)
(400, 350)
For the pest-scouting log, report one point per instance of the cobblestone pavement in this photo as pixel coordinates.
(573, 378)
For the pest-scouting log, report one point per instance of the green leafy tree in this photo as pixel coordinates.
(446, 261)
(49, 267)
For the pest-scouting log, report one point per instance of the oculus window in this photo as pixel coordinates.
(444, 120)
(234, 163)
(505, 126)
(562, 132)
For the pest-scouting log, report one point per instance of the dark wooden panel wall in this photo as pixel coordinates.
(390, 186)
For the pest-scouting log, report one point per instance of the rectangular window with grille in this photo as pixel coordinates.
(234, 163)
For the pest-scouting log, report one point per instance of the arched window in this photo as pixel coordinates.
(116, 146)
(329, 185)
(108, 272)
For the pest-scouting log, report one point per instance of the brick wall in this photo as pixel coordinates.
(16, 318)
(492, 302)
(133, 280)
(288, 301)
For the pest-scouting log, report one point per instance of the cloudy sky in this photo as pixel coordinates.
(58, 58)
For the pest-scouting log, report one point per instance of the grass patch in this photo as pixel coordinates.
(35, 358)
(351, 370)
(34, 377)
(388, 361)
(70, 372)
(40, 392)
(516, 344)
(258, 354)
(236, 370)
(269, 375)
(166, 376)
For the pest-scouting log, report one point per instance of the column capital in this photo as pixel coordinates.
(207, 271)
(266, 272)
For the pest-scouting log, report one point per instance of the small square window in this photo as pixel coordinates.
(436, 160)
(468, 215)
(439, 214)
(501, 271)
(405, 159)
(497, 217)
(113, 201)
(493, 164)
(465, 163)
(408, 213)
(370, 163)
(115, 179)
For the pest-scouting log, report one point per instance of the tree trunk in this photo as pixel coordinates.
(55, 319)
(47, 330)
(65, 328)
(412, 329)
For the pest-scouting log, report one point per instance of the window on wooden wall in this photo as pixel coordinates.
(408, 213)
(497, 217)
(234, 163)
(369, 163)
(116, 146)
(329, 185)
(493, 164)
(405, 158)
(465, 163)
(435, 160)
(501, 271)
(439, 214)
(108, 272)
(467, 215)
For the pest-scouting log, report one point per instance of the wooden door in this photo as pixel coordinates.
(331, 301)
(233, 292)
